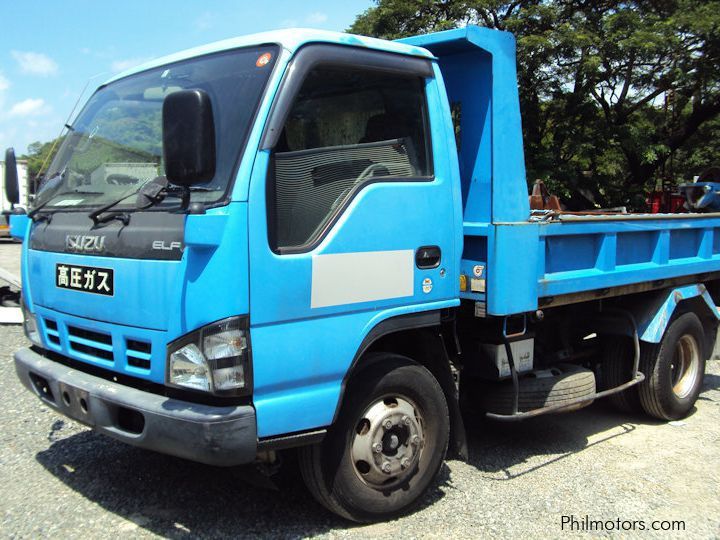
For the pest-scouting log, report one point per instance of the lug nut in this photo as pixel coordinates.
(406, 420)
(377, 448)
(415, 439)
(388, 424)
(386, 467)
(404, 463)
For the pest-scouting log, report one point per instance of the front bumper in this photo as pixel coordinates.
(222, 436)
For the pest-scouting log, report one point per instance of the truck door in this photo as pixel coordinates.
(352, 221)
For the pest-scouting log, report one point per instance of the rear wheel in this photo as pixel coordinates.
(618, 357)
(674, 370)
(386, 446)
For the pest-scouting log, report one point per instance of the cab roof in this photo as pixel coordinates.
(290, 39)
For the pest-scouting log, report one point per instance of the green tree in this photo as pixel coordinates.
(126, 136)
(40, 155)
(613, 94)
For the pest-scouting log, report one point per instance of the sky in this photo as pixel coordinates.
(50, 51)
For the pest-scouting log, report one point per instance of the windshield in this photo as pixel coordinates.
(115, 145)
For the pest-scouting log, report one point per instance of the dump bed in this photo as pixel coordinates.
(517, 267)
(515, 262)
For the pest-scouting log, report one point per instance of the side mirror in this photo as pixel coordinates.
(188, 137)
(12, 188)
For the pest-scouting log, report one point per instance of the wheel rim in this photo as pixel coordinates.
(388, 441)
(685, 366)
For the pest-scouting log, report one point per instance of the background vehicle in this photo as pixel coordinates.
(330, 262)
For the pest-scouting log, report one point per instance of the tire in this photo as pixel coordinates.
(618, 356)
(673, 369)
(563, 384)
(344, 472)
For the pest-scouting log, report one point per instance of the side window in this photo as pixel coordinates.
(347, 128)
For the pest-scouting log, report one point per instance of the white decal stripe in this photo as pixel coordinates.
(349, 278)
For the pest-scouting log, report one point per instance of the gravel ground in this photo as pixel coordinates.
(57, 479)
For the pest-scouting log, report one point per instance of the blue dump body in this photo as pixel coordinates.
(355, 223)
(526, 261)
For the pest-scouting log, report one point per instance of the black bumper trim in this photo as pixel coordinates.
(214, 435)
(291, 440)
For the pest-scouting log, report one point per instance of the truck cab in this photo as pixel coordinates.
(287, 240)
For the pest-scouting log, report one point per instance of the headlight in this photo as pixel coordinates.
(30, 325)
(215, 358)
(188, 367)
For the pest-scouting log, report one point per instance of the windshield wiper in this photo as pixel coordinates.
(123, 216)
(151, 193)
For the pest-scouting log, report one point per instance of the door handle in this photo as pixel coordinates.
(427, 257)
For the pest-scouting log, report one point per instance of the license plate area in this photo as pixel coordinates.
(75, 401)
(89, 279)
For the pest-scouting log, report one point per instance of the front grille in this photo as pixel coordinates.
(138, 353)
(91, 335)
(92, 351)
(82, 343)
(90, 342)
(51, 332)
(138, 346)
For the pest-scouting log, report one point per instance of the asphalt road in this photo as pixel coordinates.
(58, 479)
(10, 256)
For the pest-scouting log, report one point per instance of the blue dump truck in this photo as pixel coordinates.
(323, 242)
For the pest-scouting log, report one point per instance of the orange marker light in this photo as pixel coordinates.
(263, 60)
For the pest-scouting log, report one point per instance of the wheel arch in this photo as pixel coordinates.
(653, 317)
(419, 337)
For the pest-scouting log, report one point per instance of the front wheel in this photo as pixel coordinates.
(386, 446)
(674, 370)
